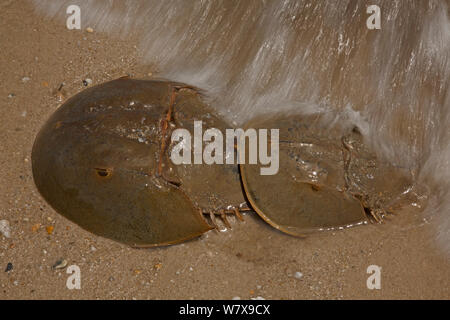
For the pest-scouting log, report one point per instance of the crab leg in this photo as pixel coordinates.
(235, 211)
(213, 220)
(238, 214)
(224, 218)
(223, 215)
(376, 215)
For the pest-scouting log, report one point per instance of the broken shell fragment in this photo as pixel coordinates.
(60, 264)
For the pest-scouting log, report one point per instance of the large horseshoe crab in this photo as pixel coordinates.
(102, 161)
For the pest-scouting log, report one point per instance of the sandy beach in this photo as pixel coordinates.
(251, 260)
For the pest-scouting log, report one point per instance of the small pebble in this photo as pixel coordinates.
(298, 275)
(50, 229)
(236, 298)
(25, 79)
(5, 228)
(258, 298)
(11, 95)
(89, 29)
(158, 266)
(9, 267)
(60, 96)
(60, 264)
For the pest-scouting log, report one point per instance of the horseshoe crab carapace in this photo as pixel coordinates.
(101, 161)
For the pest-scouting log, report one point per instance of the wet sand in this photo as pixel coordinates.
(251, 260)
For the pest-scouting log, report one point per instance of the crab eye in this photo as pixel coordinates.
(103, 173)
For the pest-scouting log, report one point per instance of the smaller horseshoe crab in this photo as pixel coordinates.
(328, 178)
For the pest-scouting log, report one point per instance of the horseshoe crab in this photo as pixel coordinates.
(328, 177)
(101, 161)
